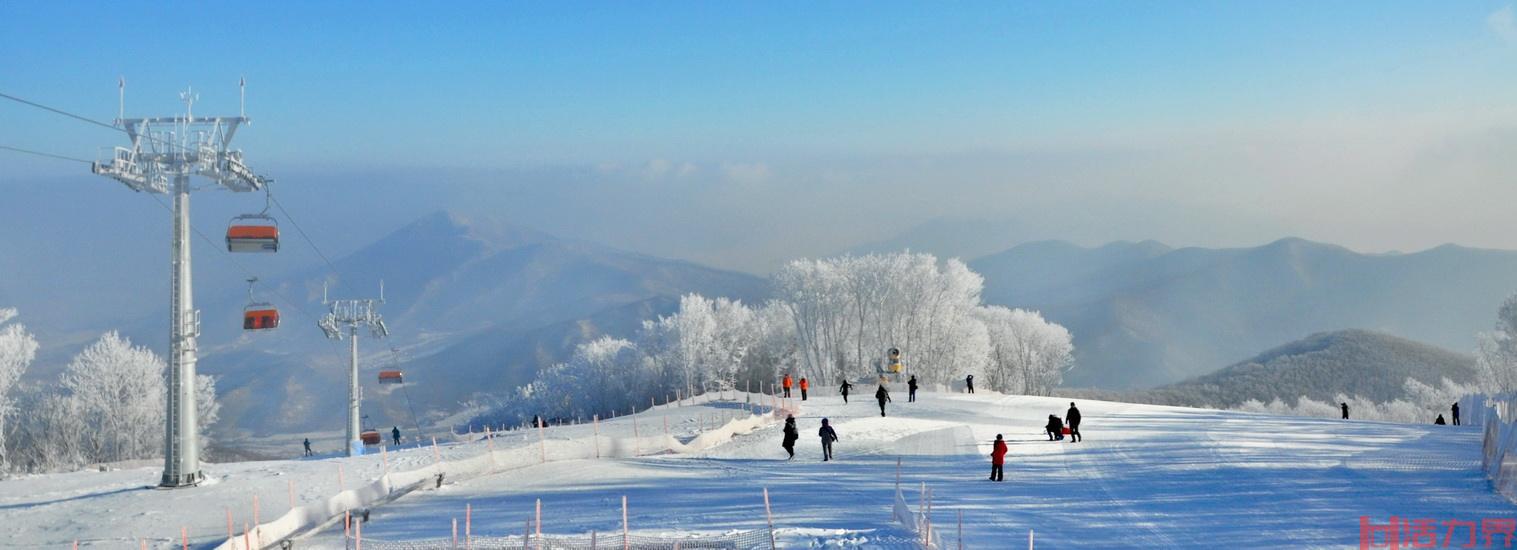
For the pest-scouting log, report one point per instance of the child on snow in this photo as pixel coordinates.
(828, 435)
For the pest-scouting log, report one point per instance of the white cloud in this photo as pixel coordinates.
(746, 172)
(1503, 22)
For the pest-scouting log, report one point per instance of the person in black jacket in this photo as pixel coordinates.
(883, 396)
(843, 389)
(1073, 417)
(1456, 414)
(828, 435)
(1345, 410)
(1055, 428)
(308, 446)
(969, 383)
(911, 389)
(395, 435)
(1440, 421)
(791, 434)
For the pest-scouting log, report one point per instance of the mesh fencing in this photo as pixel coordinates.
(744, 540)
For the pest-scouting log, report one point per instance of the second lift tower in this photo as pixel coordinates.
(343, 321)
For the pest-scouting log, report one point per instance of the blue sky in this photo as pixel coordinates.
(1221, 123)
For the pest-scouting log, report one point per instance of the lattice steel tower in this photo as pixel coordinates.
(351, 314)
(164, 153)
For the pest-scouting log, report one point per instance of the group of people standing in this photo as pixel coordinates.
(1454, 410)
(786, 383)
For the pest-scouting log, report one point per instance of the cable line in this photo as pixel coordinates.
(42, 154)
(61, 112)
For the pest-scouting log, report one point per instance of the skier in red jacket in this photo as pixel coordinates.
(997, 458)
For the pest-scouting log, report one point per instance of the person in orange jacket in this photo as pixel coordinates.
(804, 386)
(785, 383)
(998, 458)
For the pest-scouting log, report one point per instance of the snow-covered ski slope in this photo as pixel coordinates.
(1146, 476)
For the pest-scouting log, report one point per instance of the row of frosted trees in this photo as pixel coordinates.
(106, 406)
(830, 320)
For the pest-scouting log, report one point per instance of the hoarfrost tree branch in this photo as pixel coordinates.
(1497, 353)
(17, 350)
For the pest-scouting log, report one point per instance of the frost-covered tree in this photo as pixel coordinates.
(17, 350)
(1027, 353)
(1497, 354)
(118, 391)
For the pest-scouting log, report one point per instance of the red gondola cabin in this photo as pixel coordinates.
(260, 317)
(390, 377)
(246, 235)
(369, 437)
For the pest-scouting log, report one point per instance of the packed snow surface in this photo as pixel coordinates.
(1146, 476)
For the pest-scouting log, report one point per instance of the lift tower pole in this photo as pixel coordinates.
(163, 154)
(349, 315)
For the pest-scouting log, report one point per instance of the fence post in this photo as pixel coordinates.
(626, 541)
(436, 454)
(961, 529)
(341, 485)
(769, 517)
(596, 420)
(358, 536)
(537, 524)
(526, 533)
(637, 442)
(230, 535)
(1029, 539)
(347, 525)
(666, 426)
(468, 525)
(247, 540)
(184, 538)
(455, 533)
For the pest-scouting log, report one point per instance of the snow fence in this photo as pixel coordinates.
(392, 485)
(1500, 439)
(919, 522)
(743, 540)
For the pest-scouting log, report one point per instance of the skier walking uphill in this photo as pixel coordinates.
(828, 435)
(804, 386)
(997, 459)
(791, 434)
(395, 435)
(785, 384)
(308, 446)
(883, 396)
(969, 383)
(1456, 414)
(911, 389)
(1073, 417)
(843, 389)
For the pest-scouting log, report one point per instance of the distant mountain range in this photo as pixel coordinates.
(475, 306)
(1144, 314)
(1352, 362)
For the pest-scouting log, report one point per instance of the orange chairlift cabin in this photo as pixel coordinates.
(258, 315)
(254, 232)
(391, 377)
(369, 437)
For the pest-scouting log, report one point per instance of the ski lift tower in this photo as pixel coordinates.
(164, 153)
(349, 315)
